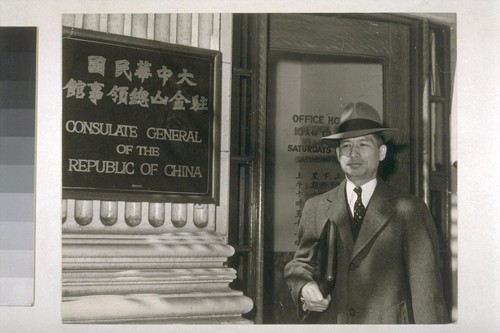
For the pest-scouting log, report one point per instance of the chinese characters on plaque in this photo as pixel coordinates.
(121, 95)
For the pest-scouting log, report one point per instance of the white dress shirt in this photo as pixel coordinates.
(366, 193)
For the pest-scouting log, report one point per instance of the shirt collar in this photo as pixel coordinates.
(368, 189)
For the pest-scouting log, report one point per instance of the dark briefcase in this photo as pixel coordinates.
(327, 258)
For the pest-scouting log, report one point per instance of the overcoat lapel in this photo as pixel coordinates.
(338, 213)
(377, 215)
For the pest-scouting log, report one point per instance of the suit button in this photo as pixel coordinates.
(352, 266)
(351, 312)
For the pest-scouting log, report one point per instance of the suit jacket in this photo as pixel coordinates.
(390, 274)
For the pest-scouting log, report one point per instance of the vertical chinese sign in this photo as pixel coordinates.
(140, 118)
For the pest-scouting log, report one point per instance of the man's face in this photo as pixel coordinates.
(359, 158)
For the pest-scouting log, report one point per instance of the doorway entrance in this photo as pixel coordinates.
(292, 74)
(318, 64)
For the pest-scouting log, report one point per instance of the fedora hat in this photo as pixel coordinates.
(358, 119)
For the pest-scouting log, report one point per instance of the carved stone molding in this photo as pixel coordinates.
(176, 277)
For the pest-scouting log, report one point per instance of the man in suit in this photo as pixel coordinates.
(387, 256)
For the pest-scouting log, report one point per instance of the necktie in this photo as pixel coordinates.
(359, 209)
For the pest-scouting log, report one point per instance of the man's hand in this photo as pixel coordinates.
(312, 299)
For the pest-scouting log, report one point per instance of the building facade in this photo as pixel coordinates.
(284, 78)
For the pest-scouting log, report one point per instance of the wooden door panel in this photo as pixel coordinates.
(332, 34)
